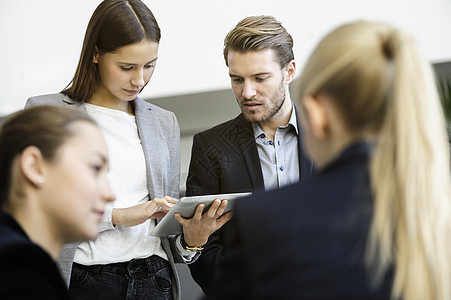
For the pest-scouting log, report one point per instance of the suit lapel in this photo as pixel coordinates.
(248, 148)
(146, 122)
(72, 103)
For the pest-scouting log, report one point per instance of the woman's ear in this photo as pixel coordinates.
(95, 59)
(317, 116)
(31, 164)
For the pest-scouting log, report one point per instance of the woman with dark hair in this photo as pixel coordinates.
(53, 190)
(118, 58)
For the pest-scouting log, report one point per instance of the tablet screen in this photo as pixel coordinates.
(186, 206)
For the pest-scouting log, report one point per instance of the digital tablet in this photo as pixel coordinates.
(186, 206)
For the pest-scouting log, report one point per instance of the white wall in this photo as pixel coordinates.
(41, 40)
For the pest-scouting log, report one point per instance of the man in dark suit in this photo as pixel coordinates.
(258, 150)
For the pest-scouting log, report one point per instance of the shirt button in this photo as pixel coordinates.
(281, 168)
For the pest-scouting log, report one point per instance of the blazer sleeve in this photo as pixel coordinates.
(174, 178)
(172, 136)
(174, 158)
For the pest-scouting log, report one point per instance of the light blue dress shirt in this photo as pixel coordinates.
(279, 159)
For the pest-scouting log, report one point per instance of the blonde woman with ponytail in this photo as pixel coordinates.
(375, 222)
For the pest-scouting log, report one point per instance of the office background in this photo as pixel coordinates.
(41, 43)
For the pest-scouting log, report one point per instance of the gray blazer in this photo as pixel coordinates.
(159, 132)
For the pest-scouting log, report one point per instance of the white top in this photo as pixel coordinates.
(128, 180)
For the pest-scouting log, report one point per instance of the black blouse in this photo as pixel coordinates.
(26, 270)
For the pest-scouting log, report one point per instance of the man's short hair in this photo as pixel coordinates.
(257, 33)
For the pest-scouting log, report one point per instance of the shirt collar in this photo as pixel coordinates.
(293, 121)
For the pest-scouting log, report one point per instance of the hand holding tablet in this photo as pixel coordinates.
(186, 206)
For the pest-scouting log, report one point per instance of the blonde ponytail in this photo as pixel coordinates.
(411, 181)
(382, 86)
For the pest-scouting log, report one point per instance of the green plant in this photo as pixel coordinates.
(444, 85)
(444, 88)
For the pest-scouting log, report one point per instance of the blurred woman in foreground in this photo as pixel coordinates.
(375, 221)
(53, 190)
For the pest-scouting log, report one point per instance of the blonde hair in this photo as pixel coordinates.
(382, 85)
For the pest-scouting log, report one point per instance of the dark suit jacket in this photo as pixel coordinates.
(224, 159)
(26, 270)
(305, 241)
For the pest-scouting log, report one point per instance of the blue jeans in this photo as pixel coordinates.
(148, 278)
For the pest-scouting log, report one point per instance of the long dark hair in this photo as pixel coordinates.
(114, 24)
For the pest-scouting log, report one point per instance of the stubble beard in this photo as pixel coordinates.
(276, 103)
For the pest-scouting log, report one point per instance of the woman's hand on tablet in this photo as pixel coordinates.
(138, 214)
